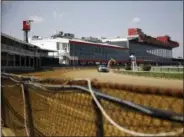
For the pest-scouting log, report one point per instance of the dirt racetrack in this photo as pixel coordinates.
(110, 77)
(67, 113)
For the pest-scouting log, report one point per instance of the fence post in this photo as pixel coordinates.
(3, 115)
(28, 111)
(99, 120)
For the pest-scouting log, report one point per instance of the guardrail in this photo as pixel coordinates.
(70, 109)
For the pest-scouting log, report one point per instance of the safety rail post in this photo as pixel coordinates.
(28, 111)
(99, 120)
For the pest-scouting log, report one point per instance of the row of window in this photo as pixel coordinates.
(94, 49)
(161, 52)
(100, 50)
(148, 58)
(99, 54)
(157, 52)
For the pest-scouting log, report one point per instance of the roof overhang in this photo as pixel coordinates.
(97, 44)
(47, 50)
(17, 40)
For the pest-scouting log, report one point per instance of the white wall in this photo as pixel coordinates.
(45, 44)
(49, 44)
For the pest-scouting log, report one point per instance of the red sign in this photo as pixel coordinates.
(26, 25)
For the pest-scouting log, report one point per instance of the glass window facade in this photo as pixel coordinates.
(95, 52)
(151, 52)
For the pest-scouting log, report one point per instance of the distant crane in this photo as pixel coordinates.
(110, 62)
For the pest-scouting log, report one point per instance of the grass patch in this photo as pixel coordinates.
(160, 69)
(167, 75)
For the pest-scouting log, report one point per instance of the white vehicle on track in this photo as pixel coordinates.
(103, 68)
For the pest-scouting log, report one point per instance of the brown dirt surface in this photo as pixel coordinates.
(67, 113)
(110, 77)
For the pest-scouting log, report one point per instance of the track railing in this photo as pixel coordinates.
(75, 110)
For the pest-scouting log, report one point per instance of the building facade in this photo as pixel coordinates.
(78, 52)
(19, 55)
(151, 53)
(71, 50)
(146, 48)
(97, 53)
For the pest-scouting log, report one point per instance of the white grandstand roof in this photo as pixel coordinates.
(51, 40)
(74, 39)
(17, 40)
(121, 39)
(23, 42)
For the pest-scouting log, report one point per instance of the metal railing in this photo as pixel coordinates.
(49, 108)
(168, 69)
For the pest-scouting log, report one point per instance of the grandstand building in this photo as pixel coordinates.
(17, 55)
(89, 50)
(146, 48)
(73, 51)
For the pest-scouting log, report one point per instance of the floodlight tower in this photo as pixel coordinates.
(133, 62)
(26, 28)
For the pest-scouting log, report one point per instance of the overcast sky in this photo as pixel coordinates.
(93, 18)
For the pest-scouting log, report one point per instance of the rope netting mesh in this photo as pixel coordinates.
(12, 101)
(71, 112)
(136, 121)
(65, 113)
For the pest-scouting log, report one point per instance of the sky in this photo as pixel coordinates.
(95, 18)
